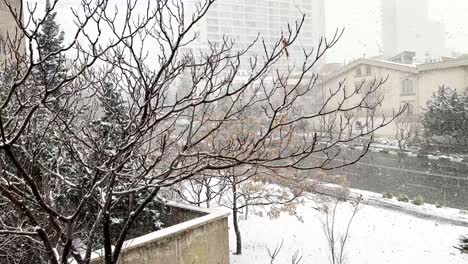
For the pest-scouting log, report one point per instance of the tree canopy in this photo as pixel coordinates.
(445, 119)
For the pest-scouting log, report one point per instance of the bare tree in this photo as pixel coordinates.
(201, 189)
(336, 240)
(407, 130)
(141, 56)
(248, 187)
(273, 254)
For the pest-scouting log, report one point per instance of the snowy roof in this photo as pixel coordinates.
(410, 68)
(463, 62)
(378, 63)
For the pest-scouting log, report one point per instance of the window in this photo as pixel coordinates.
(368, 70)
(407, 87)
(358, 71)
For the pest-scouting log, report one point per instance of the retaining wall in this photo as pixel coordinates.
(203, 240)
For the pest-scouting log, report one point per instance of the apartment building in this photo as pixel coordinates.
(406, 84)
(243, 20)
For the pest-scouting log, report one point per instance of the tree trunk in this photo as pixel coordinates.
(199, 199)
(235, 221)
(246, 211)
(238, 233)
(208, 196)
(131, 202)
(107, 238)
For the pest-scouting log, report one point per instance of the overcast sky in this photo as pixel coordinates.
(361, 19)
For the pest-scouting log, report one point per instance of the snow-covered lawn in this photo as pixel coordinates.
(377, 236)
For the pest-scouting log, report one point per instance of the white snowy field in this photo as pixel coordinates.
(377, 236)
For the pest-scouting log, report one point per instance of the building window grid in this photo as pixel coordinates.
(265, 21)
(358, 71)
(408, 88)
(368, 70)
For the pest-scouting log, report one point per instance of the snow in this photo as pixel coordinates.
(430, 211)
(375, 149)
(391, 145)
(378, 235)
(116, 220)
(456, 159)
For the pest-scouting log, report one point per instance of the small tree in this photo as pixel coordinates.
(337, 240)
(463, 244)
(201, 189)
(407, 130)
(446, 117)
(248, 187)
(49, 41)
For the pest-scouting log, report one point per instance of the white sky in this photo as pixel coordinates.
(361, 19)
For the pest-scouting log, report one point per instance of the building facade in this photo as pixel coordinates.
(406, 84)
(243, 20)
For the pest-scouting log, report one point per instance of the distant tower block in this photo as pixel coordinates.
(406, 27)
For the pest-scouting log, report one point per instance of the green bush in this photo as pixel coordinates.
(444, 159)
(388, 195)
(422, 156)
(418, 200)
(403, 153)
(403, 198)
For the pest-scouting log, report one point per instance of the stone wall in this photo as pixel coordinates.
(203, 240)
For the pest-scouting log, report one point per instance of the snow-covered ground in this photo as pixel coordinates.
(377, 236)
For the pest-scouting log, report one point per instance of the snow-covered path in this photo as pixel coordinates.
(378, 235)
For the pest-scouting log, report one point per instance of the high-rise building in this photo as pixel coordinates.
(406, 27)
(242, 20)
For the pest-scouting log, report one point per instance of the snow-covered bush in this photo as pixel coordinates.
(388, 195)
(402, 197)
(418, 200)
(463, 244)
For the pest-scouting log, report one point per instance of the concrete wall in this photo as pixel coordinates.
(203, 240)
(430, 81)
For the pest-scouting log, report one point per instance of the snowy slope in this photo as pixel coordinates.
(378, 235)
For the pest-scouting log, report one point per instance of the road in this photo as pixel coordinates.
(438, 181)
